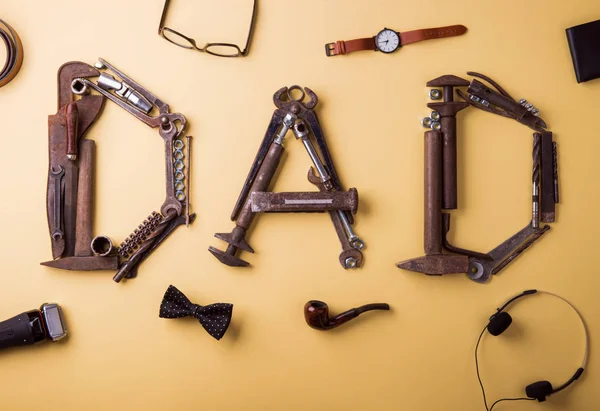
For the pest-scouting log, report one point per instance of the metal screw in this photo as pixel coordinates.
(435, 116)
(522, 102)
(164, 120)
(435, 94)
(426, 122)
(99, 65)
(529, 106)
(535, 112)
(436, 125)
(350, 262)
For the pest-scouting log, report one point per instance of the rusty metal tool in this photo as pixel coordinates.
(80, 102)
(301, 131)
(298, 114)
(500, 102)
(304, 202)
(258, 182)
(440, 193)
(448, 110)
(58, 233)
(189, 179)
(351, 256)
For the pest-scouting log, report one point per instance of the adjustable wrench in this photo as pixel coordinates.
(350, 257)
(302, 133)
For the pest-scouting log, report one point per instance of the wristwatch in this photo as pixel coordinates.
(388, 40)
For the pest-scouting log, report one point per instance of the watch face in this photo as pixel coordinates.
(387, 41)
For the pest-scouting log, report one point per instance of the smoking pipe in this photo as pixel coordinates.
(316, 314)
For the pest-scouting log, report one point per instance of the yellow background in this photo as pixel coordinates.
(121, 356)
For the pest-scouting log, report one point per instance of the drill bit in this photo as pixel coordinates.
(537, 146)
(189, 179)
(555, 166)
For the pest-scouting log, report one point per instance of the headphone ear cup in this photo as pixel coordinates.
(539, 390)
(499, 323)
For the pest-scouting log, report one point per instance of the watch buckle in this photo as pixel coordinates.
(330, 49)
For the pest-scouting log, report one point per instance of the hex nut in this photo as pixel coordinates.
(436, 125)
(435, 116)
(435, 94)
(426, 122)
(350, 262)
(178, 144)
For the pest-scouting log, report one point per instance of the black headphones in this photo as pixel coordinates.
(538, 390)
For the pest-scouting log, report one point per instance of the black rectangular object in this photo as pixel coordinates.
(584, 43)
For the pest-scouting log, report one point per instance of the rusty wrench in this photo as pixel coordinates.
(57, 176)
(302, 133)
(350, 257)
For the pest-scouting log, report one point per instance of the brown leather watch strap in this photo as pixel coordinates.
(345, 47)
(14, 53)
(432, 33)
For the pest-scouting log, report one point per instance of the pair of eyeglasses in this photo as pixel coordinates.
(216, 49)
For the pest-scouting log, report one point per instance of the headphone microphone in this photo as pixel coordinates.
(539, 390)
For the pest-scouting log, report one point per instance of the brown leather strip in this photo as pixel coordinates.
(344, 47)
(14, 53)
(432, 33)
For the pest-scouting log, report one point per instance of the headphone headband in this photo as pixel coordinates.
(516, 297)
(583, 324)
(540, 389)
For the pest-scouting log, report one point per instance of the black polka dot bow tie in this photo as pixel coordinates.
(214, 318)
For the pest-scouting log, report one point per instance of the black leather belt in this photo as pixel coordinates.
(14, 53)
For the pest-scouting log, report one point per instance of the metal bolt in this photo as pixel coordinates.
(522, 102)
(350, 262)
(164, 120)
(436, 125)
(529, 106)
(535, 112)
(435, 94)
(426, 122)
(99, 65)
(435, 116)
